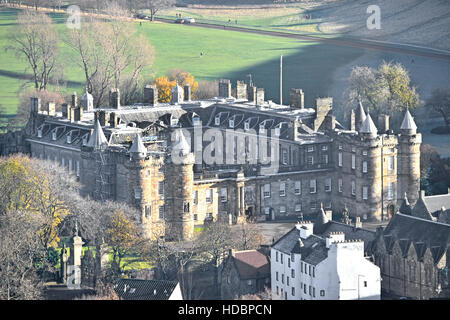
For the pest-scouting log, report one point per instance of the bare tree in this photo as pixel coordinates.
(156, 5)
(20, 252)
(383, 90)
(216, 239)
(36, 40)
(111, 54)
(247, 236)
(440, 102)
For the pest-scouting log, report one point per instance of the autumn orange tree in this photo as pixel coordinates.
(165, 84)
(123, 236)
(36, 187)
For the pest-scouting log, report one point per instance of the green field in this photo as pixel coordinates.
(226, 54)
(289, 19)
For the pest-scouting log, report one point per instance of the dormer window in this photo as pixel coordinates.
(54, 135)
(231, 123)
(262, 128)
(39, 133)
(247, 126)
(68, 138)
(277, 131)
(85, 139)
(173, 122)
(196, 120)
(217, 120)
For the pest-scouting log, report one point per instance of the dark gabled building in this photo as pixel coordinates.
(244, 272)
(413, 255)
(137, 289)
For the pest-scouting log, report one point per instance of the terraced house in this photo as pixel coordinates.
(269, 161)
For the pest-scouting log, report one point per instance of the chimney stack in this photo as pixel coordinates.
(297, 98)
(187, 92)
(100, 116)
(383, 123)
(113, 120)
(114, 98)
(259, 96)
(241, 90)
(35, 104)
(352, 120)
(51, 109)
(78, 114)
(225, 88)
(151, 95)
(74, 100)
(252, 94)
(65, 109)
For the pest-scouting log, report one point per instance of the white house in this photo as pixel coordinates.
(305, 266)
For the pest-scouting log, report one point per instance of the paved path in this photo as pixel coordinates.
(341, 41)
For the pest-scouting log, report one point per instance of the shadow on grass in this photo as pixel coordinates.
(311, 69)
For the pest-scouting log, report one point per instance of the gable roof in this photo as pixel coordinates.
(137, 289)
(251, 264)
(435, 203)
(313, 250)
(421, 210)
(422, 232)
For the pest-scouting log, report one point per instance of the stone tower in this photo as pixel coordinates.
(142, 179)
(179, 181)
(371, 143)
(409, 159)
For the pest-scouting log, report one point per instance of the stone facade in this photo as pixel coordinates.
(412, 254)
(319, 160)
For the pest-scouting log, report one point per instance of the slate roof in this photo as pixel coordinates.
(351, 233)
(313, 251)
(408, 122)
(421, 209)
(251, 264)
(422, 233)
(368, 126)
(138, 146)
(137, 289)
(97, 138)
(435, 203)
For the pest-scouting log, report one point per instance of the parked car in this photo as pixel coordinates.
(189, 20)
(179, 20)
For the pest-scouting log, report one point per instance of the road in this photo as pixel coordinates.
(340, 41)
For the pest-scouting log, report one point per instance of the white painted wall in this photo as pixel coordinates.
(341, 276)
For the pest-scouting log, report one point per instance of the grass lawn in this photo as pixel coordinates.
(226, 54)
(291, 19)
(128, 263)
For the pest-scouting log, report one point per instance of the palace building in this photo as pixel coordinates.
(231, 158)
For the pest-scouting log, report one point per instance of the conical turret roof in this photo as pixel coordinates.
(97, 139)
(361, 112)
(138, 146)
(408, 122)
(368, 126)
(182, 146)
